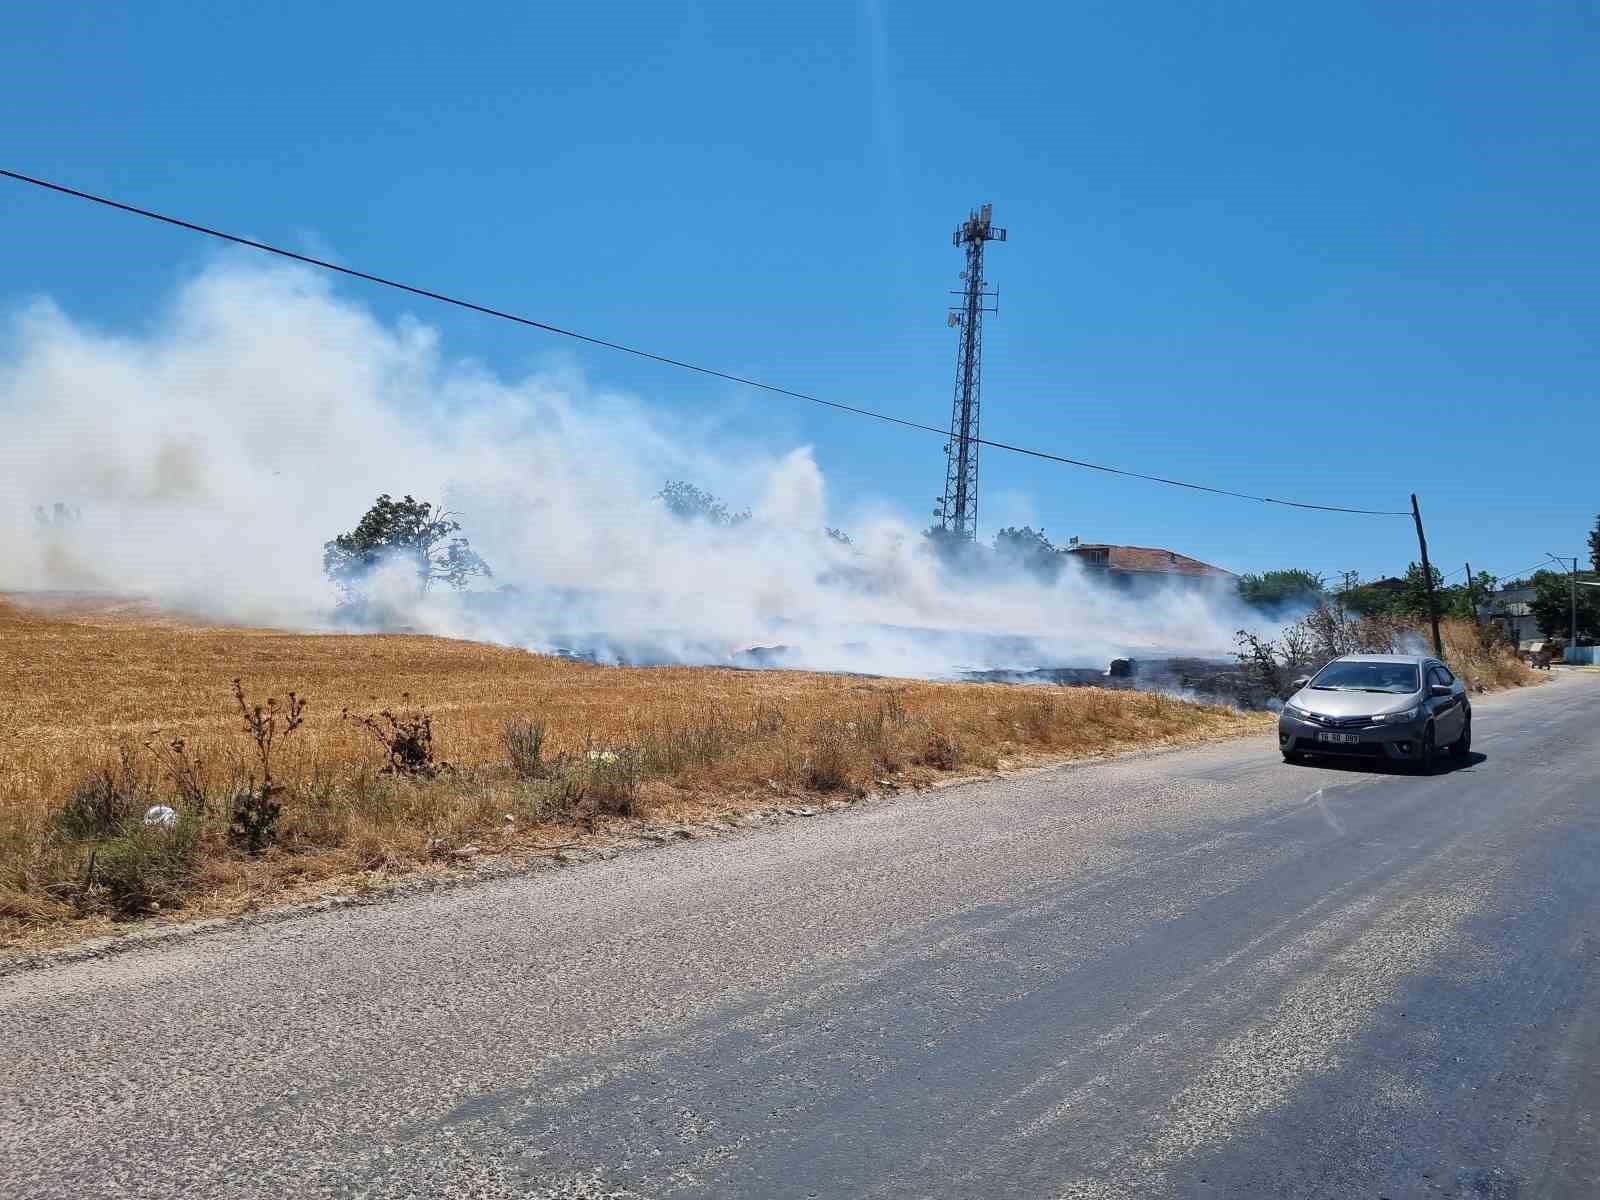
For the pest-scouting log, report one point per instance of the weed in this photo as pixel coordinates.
(556, 797)
(668, 748)
(828, 758)
(101, 802)
(941, 752)
(255, 809)
(187, 770)
(613, 782)
(892, 712)
(253, 818)
(1038, 717)
(267, 724)
(406, 737)
(524, 743)
(147, 866)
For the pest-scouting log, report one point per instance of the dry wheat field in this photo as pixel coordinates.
(108, 708)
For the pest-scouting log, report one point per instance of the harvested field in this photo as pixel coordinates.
(109, 708)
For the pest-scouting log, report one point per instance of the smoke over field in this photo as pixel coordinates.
(204, 459)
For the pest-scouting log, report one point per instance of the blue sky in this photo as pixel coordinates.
(1337, 255)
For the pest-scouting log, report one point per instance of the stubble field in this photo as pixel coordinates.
(108, 708)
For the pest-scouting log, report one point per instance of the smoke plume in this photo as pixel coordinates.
(204, 460)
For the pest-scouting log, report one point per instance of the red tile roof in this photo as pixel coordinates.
(1146, 559)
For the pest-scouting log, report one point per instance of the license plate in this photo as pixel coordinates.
(1342, 739)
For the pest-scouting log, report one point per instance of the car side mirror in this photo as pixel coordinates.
(1300, 683)
(1439, 689)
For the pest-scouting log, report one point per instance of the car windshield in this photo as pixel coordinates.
(1397, 678)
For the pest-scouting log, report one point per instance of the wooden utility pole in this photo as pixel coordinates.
(1472, 597)
(1427, 575)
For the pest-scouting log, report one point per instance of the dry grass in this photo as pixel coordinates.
(1483, 662)
(93, 695)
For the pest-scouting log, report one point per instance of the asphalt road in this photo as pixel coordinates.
(1198, 974)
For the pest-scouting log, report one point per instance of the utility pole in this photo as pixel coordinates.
(1572, 580)
(1427, 575)
(958, 509)
(1472, 597)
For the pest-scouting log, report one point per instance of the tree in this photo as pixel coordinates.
(956, 551)
(1027, 548)
(688, 503)
(1594, 544)
(408, 531)
(1465, 599)
(1367, 600)
(1551, 606)
(1281, 589)
(1023, 542)
(1412, 599)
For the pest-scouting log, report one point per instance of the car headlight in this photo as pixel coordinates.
(1294, 710)
(1410, 714)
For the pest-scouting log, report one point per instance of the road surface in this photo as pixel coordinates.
(1196, 974)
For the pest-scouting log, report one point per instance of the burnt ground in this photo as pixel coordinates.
(1210, 681)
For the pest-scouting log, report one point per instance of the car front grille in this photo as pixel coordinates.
(1338, 722)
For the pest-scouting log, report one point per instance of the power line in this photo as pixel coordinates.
(1518, 574)
(664, 359)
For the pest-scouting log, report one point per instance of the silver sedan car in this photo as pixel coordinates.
(1401, 707)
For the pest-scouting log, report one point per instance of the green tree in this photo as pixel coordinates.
(1027, 548)
(1551, 606)
(689, 503)
(1594, 544)
(1280, 589)
(409, 531)
(1459, 601)
(1023, 541)
(1366, 600)
(1412, 600)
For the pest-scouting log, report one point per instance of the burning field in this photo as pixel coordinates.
(440, 616)
(112, 709)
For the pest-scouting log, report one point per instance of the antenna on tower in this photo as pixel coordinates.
(958, 511)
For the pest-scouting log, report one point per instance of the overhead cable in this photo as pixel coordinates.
(666, 360)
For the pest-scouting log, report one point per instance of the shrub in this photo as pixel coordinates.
(828, 762)
(942, 752)
(524, 744)
(253, 818)
(101, 802)
(406, 737)
(613, 782)
(146, 866)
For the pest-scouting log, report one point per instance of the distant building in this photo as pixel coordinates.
(1508, 608)
(1146, 564)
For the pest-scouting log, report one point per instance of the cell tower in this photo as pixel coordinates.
(958, 509)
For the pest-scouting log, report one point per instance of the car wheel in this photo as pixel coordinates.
(1463, 744)
(1428, 757)
(1293, 756)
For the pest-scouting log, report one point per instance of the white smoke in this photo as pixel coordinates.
(209, 457)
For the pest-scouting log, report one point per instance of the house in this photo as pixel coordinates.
(1508, 608)
(1145, 564)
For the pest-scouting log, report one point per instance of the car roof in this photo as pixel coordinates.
(1415, 660)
